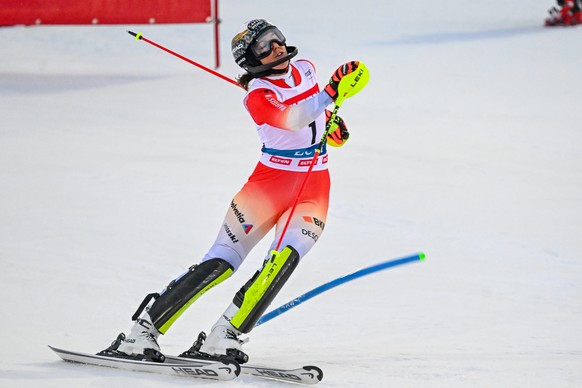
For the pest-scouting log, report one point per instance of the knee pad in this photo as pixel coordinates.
(257, 294)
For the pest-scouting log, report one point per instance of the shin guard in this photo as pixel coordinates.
(185, 290)
(257, 294)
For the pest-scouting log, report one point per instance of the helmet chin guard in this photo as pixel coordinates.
(266, 69)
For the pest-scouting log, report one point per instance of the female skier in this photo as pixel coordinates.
(289, 111)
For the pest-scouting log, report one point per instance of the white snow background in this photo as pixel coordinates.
(118, 162)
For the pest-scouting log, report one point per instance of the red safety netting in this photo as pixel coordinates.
(31, 12)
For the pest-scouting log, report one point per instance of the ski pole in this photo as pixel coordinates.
(349, 86)
(313, 162)
(139, 36)
(334, 283)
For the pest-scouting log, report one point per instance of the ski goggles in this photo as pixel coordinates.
(262, 46)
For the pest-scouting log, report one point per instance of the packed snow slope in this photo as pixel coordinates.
(118, 162)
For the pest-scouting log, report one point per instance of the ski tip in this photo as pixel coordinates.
(316, 370)
(421, 256)
(235, 365)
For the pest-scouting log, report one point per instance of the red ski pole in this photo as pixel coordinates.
(139, 36)
(313, 162)
(349, 86)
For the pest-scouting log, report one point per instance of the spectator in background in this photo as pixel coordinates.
(567, 13)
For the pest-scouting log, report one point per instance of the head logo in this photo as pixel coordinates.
(247, 228)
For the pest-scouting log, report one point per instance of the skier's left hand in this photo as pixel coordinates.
(332, 87)
(338, 132)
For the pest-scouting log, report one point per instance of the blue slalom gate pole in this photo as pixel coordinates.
(341, 280)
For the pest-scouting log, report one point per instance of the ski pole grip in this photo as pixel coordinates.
(352, 83)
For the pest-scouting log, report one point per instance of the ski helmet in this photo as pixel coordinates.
(255, 43)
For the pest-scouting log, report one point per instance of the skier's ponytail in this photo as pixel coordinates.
(245, 79)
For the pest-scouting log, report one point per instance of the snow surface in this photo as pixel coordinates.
(118, 161)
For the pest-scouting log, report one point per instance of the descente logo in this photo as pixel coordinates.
(310, 234)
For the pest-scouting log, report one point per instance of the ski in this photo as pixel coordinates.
(305, 375)
(217, 370)
(309, 375)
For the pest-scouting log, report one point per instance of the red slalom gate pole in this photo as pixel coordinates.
(139, 36)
